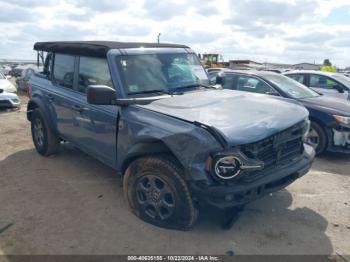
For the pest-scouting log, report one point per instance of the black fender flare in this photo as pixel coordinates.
(37, 103)
(144, 148)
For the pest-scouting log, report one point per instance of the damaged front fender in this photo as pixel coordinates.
(144, 132)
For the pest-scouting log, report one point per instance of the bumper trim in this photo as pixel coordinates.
(224, 196)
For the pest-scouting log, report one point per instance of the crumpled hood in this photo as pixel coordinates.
(240, 117)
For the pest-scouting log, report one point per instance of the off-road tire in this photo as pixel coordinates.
(184, 214)
(50, 142)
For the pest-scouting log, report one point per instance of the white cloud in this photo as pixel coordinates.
(273, 30)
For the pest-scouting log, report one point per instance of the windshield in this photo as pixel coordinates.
(342, 79)
(149, 73)
(291, 87)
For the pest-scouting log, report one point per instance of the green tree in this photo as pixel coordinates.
(326, 62)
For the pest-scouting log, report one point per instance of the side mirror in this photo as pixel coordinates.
(105, 95)
(220, 79)
(101, 95)
(339, 88)
(8, 77)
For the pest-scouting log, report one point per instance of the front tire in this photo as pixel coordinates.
(45, 141)
(157, 193)
(317, 138)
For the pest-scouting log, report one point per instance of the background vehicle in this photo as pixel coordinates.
(212, 60)
(330, 117)
(330, 84)
(8, 100)
(149, 114)
(15, 72)
(6, 85)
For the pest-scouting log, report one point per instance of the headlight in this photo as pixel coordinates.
(230, 165)
(342, 119)
(306, 129)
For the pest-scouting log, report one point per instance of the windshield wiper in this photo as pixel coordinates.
(156, 91)
(191, 86)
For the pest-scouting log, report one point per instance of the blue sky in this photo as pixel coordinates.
(286, 31)
(338, 16)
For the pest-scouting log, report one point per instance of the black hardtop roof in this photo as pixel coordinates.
(95, 48)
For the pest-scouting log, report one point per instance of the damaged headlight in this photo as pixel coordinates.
(342, 120)
(227, 166)
(306, 129)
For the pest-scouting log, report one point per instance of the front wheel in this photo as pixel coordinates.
(157, 193)
(317, 138)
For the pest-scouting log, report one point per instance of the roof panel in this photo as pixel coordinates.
(95, 48)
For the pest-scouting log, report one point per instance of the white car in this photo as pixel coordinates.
(8, 96)
(329, 84)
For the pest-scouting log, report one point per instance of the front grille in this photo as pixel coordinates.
(5, 103)
(281, 148)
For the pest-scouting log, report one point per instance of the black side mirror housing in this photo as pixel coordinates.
(101, 95)
(339, 88)
(220, 78)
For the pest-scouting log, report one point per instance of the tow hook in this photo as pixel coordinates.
(230, 216)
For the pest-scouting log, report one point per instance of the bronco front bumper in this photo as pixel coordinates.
(230, 195)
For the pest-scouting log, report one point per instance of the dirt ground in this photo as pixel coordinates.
(73, 204)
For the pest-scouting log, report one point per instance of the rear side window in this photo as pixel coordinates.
(322, 81)
(229, 81)
(63, 70)
(93, 71)
(251, 84)
(299, 78)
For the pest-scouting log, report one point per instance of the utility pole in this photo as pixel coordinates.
(158, 37)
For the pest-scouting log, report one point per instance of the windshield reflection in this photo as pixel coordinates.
(161, 73)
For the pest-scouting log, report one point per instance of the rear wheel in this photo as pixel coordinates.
(157, 193)
(45, 141)
(317, 138)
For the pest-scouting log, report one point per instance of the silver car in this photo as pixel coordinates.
(330, 84)
(8, 96)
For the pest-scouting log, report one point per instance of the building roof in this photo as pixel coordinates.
(95, 48)
(307, 64)
(244, 62)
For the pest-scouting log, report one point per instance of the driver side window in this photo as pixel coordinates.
(93, 71)
(252, 84)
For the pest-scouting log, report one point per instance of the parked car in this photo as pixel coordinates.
(9, 100)
(16, 72)
(213, 72)
(22, 81)
(326, 83)
(146, 111)
(8, 96)
(330, 117)
(6, 85)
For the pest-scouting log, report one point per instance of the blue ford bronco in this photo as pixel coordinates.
(147, 111)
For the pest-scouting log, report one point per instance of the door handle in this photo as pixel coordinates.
(78, 108)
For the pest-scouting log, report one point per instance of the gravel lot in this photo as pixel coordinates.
(73, 204)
